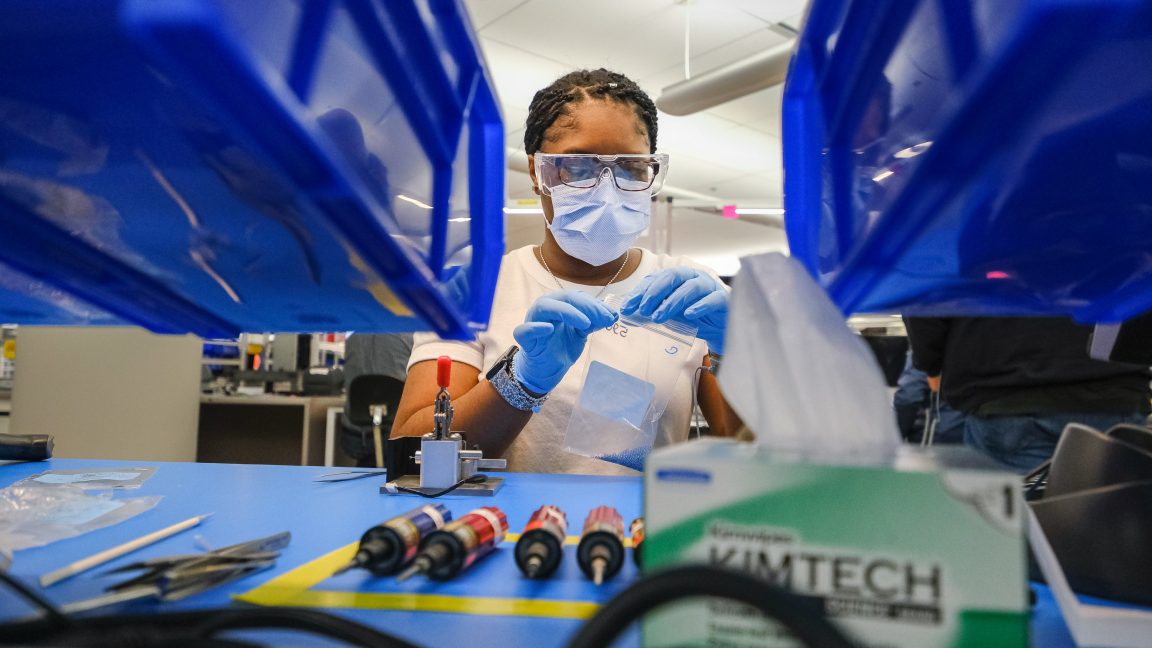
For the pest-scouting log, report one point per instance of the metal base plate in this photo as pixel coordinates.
(488, 487)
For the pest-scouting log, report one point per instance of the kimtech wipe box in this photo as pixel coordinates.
(925, 549)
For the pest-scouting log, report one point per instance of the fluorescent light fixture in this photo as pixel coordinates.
(883, 175)
(913, 151)
(523, 210)
(462, 219)
(414, 201)
(757, 211)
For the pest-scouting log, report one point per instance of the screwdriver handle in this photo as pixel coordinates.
(443, 371)
(26, 447)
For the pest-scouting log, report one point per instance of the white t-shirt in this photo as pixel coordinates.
(540, 446)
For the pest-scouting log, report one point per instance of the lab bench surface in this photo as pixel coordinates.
(250, 501)
(489, 605)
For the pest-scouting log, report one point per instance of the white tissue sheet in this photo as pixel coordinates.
(795, 373)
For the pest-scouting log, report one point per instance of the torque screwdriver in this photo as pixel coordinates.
(541, 543)
(449, 551)
(600, 553)
(388, 546)
(636, 531)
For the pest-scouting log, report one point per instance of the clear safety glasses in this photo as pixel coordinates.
(585, 170)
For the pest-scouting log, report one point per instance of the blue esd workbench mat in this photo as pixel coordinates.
(249, 501)
(985, 157)
(214, 166)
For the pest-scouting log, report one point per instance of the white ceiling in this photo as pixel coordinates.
(730, 152)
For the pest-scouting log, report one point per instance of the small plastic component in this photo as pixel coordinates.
(443, 371)
(390, 545)
(541, 544)
(600, 553)
(442, 416)
(636, 531)
(456, 547)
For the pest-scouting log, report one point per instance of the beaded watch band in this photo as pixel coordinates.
(504, 382)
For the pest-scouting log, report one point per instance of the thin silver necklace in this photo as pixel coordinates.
(627, 253)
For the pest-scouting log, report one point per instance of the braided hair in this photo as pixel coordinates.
(552, 102)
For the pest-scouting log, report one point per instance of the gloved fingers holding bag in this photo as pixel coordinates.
(555, 330)
(686, 294)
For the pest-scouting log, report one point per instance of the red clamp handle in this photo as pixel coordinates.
(443, 371)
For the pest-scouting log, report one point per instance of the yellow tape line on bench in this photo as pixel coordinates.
(283, 589)
(452, 604)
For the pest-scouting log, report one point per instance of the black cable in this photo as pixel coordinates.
(304, 620)
(195, 628)
(808, 626)
(50, 610)
(474, 479)
(696, 388)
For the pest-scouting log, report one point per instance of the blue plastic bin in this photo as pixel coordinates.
(251, 165)
(27, 301)
(974, 157)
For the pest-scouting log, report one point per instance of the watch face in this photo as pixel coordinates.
(502, 362)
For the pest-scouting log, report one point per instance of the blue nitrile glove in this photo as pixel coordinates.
(552, 337)
(684, 294)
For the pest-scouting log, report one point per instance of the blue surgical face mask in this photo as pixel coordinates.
(599, 224)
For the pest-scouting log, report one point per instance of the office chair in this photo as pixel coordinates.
(364, 392)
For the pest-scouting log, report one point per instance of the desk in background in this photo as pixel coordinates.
(266, 429)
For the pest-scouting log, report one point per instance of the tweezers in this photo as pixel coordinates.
(172, 578)
(349, 475)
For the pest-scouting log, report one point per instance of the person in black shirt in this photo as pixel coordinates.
(1020, 380)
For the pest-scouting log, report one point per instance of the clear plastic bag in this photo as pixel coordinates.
(111, 478)
(632, 370)
(609, 420)
(34, 514)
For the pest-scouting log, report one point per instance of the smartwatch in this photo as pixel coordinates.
(502, 379)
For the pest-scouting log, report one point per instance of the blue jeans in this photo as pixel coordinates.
(911, 401)
(950, 427)
(1020, 443)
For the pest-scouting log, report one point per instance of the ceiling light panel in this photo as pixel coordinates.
(596, 33)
